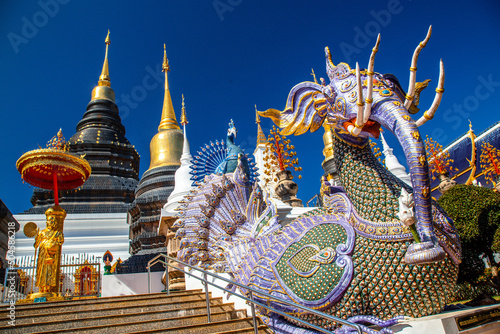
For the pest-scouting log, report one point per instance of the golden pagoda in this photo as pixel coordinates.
(166, 145)
(157, 183)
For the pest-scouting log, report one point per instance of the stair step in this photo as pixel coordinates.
(69, 313)
(83, 305)
(182, 312)
(160, 325)
(89, 318)
(236, 326)
(261, 329)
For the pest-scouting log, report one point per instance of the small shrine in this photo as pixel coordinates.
(86, 281)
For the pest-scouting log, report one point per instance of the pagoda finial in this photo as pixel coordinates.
(168, 120)
(103, 89)
(184, 120)
(105, 69)
(165, 67)
(58, 142)
(261, 138)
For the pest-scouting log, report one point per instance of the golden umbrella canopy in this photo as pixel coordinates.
(53, 167)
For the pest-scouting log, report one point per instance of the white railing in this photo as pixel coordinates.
(79, 277)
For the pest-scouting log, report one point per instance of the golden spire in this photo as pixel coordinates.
(103, 89)
(167, 145)
(104, 78)
(261, 138)
(168, 120)
(184, 120)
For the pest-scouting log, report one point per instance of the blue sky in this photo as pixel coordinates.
(226, 56)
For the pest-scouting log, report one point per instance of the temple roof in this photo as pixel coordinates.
(460, 152)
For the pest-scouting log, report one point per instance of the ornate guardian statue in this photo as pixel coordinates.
(378, 250)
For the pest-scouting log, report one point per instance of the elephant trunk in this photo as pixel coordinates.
(398, 121)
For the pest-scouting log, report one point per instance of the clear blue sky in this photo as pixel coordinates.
(225, 57)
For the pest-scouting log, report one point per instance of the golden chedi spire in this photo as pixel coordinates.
(261, 137)
(168, 120)
(166, 145)
(103, 89)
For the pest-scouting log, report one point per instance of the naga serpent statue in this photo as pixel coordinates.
(373, 253)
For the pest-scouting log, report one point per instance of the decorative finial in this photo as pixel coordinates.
(166, 66)
(107, 40)
(58, 142)
(103, 89)
(257, 118)
(314, 75)
(104, 78)
(168, 120)
(184, 120)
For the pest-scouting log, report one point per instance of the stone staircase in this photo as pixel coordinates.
(180, 312)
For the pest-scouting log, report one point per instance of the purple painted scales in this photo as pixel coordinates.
(376, 252)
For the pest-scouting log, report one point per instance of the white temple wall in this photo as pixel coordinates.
(91, 234)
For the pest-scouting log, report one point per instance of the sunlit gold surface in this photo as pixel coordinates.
(472, 161)
(103, 89)
(30, 229)
(166, 145)
(328, 142)
(168, 120)
(49, 296)
(48, 243)
(37, 166)
(51, 168)
(103, 93)
(166, 148)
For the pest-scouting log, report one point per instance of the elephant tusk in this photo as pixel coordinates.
(429, 114)
(369, 72)
(329, 63)
(359, 119)
(354, 130)
(413, 69)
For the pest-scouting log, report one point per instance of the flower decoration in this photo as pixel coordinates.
(280, 154)
(439, 160)
(490, 162)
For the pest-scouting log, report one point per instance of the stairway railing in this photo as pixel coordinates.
(250, 298)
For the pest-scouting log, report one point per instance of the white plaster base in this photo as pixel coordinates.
(91, 234)
(445, 323)
(131, 284)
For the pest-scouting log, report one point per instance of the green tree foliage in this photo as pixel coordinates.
(476, 213)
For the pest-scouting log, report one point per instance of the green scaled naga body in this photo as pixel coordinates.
(378, 249)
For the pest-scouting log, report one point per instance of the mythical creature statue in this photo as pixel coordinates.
(221, 158)
(355, 257)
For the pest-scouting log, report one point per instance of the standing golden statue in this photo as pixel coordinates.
(48, 243)
(51, 168)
